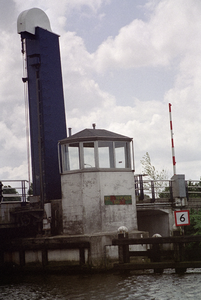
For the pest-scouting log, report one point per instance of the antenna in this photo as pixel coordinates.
(172, 141)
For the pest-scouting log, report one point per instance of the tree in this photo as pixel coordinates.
(193, 250)
(194, 189)
(7, 190)
(153, 174)
(195, 223)
(165, 193)
(151, 171)
(30, 190)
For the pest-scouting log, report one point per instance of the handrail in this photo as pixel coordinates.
(18, 190)
(162, 188)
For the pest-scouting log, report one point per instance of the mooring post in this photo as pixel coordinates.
(1, 258)
(156, 253)
(44, 257)
(22, 258)
(82, 256)
(179, 252)
(124, 256)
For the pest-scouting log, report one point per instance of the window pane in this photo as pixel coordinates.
(105, 154)
(89, 157)
(74, 157)
(71, 157)
(122, 155)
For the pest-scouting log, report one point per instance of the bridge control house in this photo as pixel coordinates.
(98, 193)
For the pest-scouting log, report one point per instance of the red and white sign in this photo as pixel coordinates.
(182, 217)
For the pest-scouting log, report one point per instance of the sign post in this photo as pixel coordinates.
(182, 217)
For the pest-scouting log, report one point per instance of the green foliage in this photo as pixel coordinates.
(194, 189)
(7, 190)
(151, 171)
(30, 190)
(195, 223)
(153, 174)
(193, 250)
(165, 193)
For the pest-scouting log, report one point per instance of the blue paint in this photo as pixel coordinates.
(47, 111)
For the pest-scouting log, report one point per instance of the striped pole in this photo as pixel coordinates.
(172, 141)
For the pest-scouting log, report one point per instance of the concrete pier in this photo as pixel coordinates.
(86, 251)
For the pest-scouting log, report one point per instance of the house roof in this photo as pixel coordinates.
(95, 134)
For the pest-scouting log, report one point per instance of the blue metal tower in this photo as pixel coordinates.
(46, 101)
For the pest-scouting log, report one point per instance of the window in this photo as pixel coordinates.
(105, 154)
(71, 157)
(122, 155)
(99, 154)
(89, 155)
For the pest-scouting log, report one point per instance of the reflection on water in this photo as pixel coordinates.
(102, 286)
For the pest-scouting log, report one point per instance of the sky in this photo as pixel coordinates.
(123, 62)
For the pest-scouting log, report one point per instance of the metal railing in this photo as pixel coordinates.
(146, 189)
(14, 190)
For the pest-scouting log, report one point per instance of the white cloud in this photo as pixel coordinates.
(169, 38)
(58, 11)
(17, 173)
(172, 30)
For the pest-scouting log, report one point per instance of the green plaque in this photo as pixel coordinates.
(118, 200)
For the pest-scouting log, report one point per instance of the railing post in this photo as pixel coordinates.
(171, 193)
(136, 186)
(1, 191)
(152, 192)
(141, 197)
(187, 195)
(23, 192)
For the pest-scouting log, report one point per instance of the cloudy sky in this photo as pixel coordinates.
(123, 61)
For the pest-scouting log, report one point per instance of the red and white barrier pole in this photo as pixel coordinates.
(172, 141)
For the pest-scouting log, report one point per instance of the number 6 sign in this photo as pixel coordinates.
(182, 217)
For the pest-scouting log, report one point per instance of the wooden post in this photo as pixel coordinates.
(44, 257)
(1, 258)
(22, 258)
(179, 256)
(176, 252)
(124, 256)
(156, 256)
(82, 256)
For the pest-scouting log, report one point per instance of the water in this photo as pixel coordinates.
(103, 286)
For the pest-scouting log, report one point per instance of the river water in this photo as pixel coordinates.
(103, 286)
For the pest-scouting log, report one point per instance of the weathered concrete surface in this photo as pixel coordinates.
(6, 219)
(99, 252)
(84, 209)
(156, 220)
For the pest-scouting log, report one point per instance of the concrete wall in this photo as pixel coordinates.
(156, 221)
(101, 253)
(84, 209)
(6, 218)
